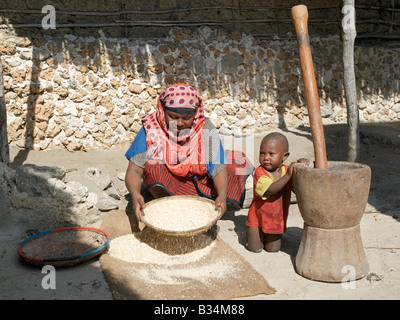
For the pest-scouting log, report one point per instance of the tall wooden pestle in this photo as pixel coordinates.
(300, 17)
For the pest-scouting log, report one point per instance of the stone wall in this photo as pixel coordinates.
(39, 198)
(152, 19)
(91, 92)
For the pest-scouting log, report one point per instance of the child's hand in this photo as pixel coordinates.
(291, 166)
(303, 160)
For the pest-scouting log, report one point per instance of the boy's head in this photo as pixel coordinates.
(274, 149)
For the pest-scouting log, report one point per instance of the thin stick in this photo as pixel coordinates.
(385, 248)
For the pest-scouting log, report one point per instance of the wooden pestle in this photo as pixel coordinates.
(300, 17)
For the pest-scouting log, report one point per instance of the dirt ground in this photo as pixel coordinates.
(380, 225)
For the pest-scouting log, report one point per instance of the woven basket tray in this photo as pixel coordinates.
(63, 247)
(177, 207)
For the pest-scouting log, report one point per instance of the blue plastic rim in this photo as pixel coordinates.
(93, 252)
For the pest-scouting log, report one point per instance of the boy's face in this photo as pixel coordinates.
(272, 154)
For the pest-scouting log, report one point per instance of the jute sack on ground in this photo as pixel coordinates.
(220, 274)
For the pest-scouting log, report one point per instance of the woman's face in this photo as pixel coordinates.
(177, 122)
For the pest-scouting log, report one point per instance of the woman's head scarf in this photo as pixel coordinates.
(183, 154)
(180, 98)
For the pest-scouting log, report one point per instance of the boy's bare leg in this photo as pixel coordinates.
(255, 239)
(273, 242)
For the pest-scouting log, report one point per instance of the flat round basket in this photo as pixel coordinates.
(63, 247)
(180, 215)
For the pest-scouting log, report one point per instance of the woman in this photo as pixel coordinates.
(179, 152)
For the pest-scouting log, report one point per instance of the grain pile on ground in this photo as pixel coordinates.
(147, 265)
(166, 253)
(149, 247)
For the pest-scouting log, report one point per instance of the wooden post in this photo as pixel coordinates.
(349, 81)
(4, 149)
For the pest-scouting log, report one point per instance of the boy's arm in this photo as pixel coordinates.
(279, 184)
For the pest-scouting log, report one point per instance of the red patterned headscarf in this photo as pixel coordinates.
(181, 98)
(183, 155)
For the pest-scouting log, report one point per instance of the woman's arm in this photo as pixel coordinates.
(221, 185)
(133, 183)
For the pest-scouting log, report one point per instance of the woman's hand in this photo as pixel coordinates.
(221, 185)
(133, 182)
(138, 205)
(220, 202)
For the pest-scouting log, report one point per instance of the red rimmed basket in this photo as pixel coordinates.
(64, 247)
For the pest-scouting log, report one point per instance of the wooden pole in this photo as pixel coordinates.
(4, 148)
(349, 80)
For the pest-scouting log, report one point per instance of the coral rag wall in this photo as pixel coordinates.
(80, 91)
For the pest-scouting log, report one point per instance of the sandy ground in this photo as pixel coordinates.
(380, 225)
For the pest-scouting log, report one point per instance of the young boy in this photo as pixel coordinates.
(268, 212)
